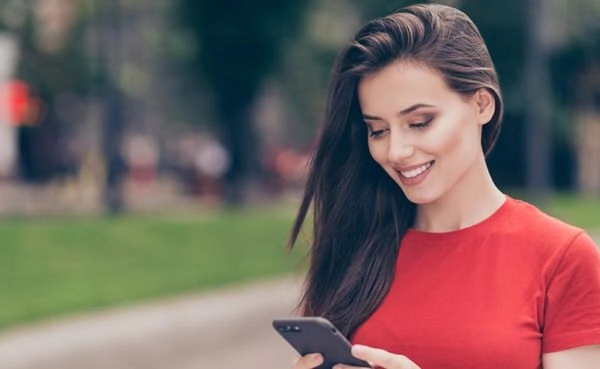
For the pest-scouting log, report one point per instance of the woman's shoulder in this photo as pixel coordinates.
(544, 239)
(535, 219)
(533, 224)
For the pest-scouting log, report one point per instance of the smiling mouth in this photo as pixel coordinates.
(417, 171)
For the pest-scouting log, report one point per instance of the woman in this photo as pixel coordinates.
(416, 255)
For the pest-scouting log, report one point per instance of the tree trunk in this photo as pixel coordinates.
(113, 119)
(243, 178)
(537, 104)
(588, 152)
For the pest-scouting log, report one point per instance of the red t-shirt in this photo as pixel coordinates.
(496, 295)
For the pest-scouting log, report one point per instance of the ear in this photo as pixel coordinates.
(485, 105)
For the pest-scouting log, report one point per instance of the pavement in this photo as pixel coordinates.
(225, 329)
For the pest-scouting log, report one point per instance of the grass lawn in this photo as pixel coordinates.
(52, 267)
(581, 211)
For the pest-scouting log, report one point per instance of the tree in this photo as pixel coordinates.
(53, 64)
(239, 45)
(576, 71)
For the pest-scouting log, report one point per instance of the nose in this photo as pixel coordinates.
(400, 148)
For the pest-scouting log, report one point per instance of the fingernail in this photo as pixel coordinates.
(316, 359)
(357, 349)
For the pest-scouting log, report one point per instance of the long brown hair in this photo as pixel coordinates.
(360, 214)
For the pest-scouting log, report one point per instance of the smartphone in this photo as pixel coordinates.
(318, 335)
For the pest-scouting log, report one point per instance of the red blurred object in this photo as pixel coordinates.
(21, 107)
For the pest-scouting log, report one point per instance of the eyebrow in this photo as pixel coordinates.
(410, 109)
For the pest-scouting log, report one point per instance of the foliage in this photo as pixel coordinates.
(52, 63)
(238, 47)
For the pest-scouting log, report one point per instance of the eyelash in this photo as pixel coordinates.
(377, 133)
(421, 125)
(418, 126)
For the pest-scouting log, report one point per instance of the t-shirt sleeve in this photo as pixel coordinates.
(572, 312)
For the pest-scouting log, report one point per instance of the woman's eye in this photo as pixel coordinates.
(421, 125)
(377, 132)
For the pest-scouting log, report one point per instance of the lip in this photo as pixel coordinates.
(414, 180)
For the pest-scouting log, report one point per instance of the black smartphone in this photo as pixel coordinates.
(318, 335)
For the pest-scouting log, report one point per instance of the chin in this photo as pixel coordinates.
(419, 198)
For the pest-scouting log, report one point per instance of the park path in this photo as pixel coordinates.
(227, 329)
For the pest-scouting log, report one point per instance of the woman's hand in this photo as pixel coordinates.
(379, 358)
(308, 361)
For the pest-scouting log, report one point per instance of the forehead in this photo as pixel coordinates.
(403, 83)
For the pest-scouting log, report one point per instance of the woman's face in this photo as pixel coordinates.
(424, 135)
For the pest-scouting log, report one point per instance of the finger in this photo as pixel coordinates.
(382, 358)
(344, 366)
(308, 361)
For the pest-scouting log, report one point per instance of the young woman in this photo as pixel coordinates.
(416, 255)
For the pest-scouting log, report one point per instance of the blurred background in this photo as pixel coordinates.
(155, 150)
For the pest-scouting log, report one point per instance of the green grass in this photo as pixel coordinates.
(578, 210)
(53, 267)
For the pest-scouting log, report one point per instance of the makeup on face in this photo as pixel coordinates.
(423, 134)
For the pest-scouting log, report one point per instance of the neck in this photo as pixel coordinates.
(473, 199)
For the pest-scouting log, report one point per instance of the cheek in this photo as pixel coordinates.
(378, 151)
(445, 139)
(453, 135)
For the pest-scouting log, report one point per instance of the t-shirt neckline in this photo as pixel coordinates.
(484, 227)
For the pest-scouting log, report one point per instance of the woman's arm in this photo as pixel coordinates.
(585, 357)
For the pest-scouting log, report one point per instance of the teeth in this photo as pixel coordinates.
(415, 172)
